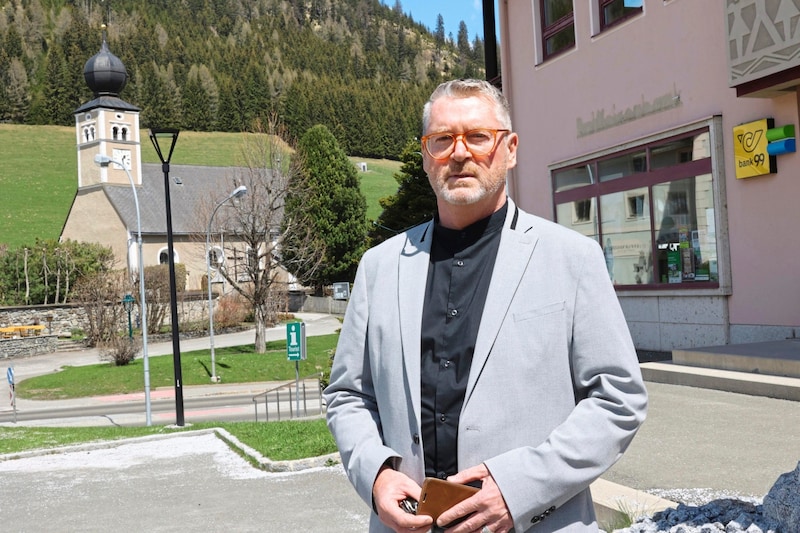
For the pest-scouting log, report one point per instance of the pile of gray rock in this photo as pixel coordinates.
(779, 513)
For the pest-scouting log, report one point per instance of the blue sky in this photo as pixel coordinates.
(452, 11)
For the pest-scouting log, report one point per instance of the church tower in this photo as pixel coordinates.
(107, 125)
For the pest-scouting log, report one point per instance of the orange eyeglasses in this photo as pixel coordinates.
(479, 142)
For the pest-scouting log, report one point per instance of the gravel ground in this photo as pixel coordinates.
(705, 511)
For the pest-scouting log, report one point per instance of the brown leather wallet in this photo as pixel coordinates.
(439, 495)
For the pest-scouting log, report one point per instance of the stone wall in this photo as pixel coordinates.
(61, 320)
(25, 346)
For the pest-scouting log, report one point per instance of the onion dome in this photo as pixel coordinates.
(105, 73)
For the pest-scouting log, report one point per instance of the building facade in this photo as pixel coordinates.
(663, 129)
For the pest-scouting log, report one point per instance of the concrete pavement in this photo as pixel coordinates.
(693, 438)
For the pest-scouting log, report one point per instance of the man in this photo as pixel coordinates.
(486, 347)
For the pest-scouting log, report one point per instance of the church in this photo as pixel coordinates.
(104, 207)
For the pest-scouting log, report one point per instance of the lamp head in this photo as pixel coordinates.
(240, 191)
(102, 160)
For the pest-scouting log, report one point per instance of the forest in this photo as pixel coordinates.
(361, 68)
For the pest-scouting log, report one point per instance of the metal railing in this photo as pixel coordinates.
(291, 393)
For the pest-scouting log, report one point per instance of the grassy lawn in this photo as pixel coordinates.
(237, 364)
(39, 185)
(377, 182)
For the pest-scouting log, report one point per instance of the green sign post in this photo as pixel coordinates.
(296, 341)
(296, 351)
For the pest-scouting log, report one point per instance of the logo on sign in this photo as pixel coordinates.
(295, 341)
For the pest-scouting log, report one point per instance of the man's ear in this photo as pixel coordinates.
(512, 144)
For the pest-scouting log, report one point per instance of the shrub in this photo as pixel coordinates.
(120, 350)
(100, 295)
(230, 310)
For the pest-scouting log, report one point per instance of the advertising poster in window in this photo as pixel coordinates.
(687, 254)
(674, 265)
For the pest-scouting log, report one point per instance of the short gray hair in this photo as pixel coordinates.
(465, 89)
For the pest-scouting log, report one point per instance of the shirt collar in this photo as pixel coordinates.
(471, 233)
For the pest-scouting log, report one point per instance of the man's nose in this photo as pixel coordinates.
(460, 150)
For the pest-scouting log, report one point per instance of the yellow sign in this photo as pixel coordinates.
(750, 149)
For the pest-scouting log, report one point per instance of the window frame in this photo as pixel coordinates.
(554, 28)
(604, 25)
(648, 179)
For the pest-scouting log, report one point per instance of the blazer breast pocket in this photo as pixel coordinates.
(540, 333)
(538, 312)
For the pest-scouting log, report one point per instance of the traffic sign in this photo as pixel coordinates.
(296, 341)
(10, 375)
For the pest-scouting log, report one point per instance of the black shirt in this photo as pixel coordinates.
(459, 273)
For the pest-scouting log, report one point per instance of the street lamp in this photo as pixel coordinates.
(172, 135)
(127, 304)
(104, 161)
(240, 191)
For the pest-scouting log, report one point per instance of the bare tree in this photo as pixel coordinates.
(257, 226)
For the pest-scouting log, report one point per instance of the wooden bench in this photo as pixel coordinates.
(10, 332)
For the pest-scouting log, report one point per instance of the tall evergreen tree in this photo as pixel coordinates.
(413, 203)
(331, 197)
(438, 33)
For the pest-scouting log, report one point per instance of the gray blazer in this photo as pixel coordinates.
(555, 393)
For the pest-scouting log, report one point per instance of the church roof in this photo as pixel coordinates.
(108, 102)
(194, 191)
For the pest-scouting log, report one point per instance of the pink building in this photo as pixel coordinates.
(644, 128)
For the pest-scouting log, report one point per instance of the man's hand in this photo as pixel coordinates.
(390, 488)
(486, 508)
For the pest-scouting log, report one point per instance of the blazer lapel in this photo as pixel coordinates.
(412, 272)
(513, 256)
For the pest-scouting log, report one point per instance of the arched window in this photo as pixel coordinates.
(163, 256)
(124, 134)
(92, 133)
(115, 133)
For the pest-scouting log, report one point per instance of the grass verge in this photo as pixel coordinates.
(280, 441)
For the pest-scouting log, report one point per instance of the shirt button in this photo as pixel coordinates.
(446, 363)
(442, 417)
(453, 312)
(460, 263)
(415, 438)
(441, 475)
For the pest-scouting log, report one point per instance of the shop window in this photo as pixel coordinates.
(558, 26)
(571, 178)
(655, 212)
(612, 12)
(621, 166)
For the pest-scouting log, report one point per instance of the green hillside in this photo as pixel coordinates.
(38, 175)
(361, 68)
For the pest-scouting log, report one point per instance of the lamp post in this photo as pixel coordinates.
(172, 135)
(127, 304)
(240, 191)
(104, 161)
